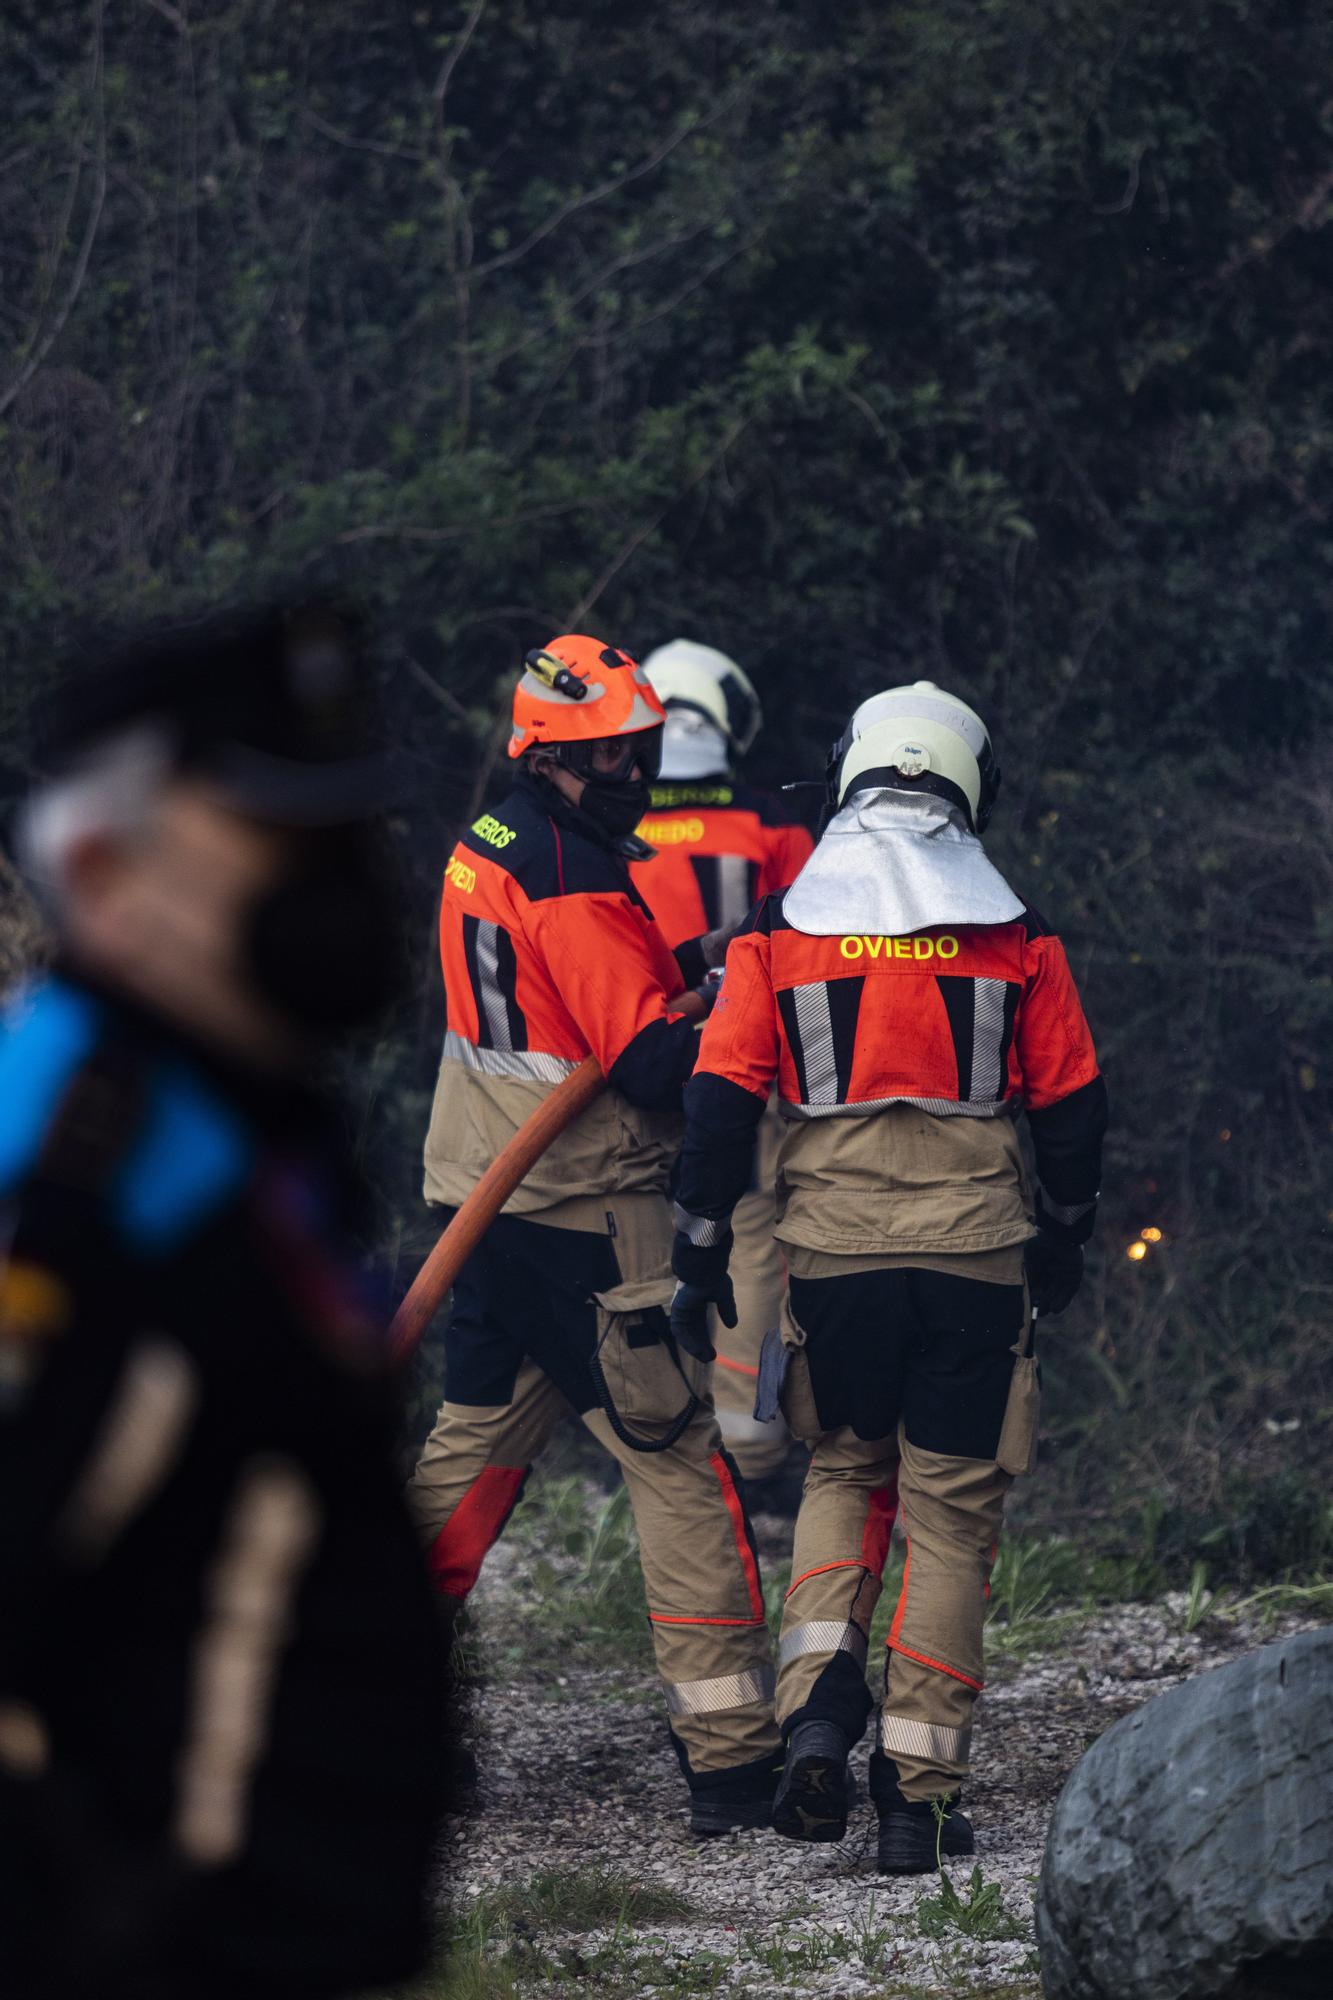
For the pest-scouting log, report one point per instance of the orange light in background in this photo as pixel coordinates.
(1151, 1235)
(1225, 1134)
(1137, 1251)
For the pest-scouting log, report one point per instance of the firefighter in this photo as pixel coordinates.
(219, 1671)
(720, 847)
(909, 1005)
(549, 954)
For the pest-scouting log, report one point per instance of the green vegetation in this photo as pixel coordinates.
(982, 341)
(579, 1580)
(980, 1915)
(579, 1599)
(559, 1932)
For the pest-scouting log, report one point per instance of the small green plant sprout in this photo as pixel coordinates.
(980, 1915)
(1199, 1600)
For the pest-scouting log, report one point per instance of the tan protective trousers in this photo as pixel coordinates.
(700, 1572)
(951, 1511)
(759, 1279)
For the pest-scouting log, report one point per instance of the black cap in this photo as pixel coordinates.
(273, 707)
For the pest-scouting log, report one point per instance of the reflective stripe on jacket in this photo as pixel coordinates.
(899, 1063)
(974, 1022)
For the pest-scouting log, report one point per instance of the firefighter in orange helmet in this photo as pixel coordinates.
(721, 846)
(550, 954)
(910, 1006)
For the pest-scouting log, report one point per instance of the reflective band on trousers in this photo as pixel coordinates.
(900, 1735)
(822, 1635)
(727, 1691)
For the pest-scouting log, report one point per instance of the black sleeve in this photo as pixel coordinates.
(714, 1170)
(690, 958)
(1067, 1146)
(652, 1069)
(716, 1162)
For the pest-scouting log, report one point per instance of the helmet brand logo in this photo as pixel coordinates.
(899, 947)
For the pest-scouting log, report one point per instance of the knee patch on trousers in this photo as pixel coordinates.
(476, 1524)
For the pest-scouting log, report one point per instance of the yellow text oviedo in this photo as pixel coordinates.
(898, 947)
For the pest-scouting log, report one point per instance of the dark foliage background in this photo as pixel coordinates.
(982, 339)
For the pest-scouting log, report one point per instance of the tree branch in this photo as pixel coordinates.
(455, 56)
(413, 153)
(43, 344)
(602, 192)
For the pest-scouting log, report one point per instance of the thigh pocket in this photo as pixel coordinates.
(797, 1397)
(647, 1378)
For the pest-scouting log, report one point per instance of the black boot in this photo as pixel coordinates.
(912, 1840)
(811, 1802)
(728, 1801)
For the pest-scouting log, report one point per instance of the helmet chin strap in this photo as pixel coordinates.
(612, 807)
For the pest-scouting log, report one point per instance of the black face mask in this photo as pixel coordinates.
(324, 946)
(616, 805)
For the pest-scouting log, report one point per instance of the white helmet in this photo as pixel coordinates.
(918, 738)
(712, 709)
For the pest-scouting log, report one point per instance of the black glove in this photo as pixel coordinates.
(1054, 1271)
(689, 1314)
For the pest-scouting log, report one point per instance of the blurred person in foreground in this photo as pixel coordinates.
(219, 1674)
(720, 846)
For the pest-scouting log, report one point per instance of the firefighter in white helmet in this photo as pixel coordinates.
(909, 1006)
(720, 846)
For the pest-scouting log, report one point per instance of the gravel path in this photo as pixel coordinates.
(577, 1772)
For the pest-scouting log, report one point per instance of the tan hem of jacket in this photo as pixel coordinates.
(905, 1183)
(990, 1267)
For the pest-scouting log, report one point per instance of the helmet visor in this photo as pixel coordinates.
(613, 759)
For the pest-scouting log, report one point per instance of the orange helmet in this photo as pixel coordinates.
(578, 691)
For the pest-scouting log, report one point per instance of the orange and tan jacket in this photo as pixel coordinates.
(720, 847)
(900, 1063)
(551, 955)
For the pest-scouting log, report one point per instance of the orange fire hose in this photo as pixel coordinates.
(488, 1197)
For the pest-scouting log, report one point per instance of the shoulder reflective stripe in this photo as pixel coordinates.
(521, 1063)
(497, 979)
(193, 1154)
(932, 1742)
(939, 1107)
(713, 1696)
(816, 1028)
(492, 999)
(987, 1036)
(47, 1033)
(822, 1635)
(733, 887)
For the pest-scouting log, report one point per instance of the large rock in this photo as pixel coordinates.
(1191, 1851)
